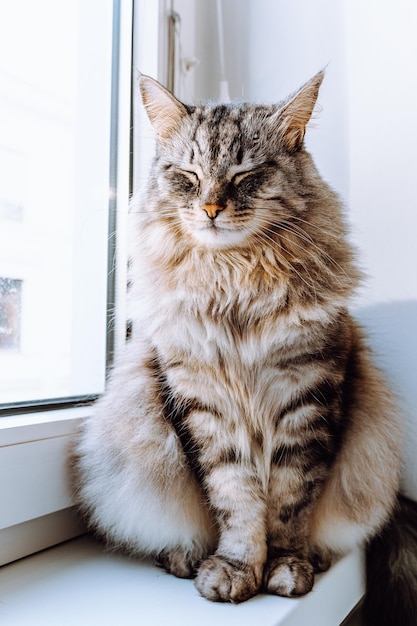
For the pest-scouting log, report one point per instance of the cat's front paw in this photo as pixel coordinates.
(178, 562)
(224, 581)
(288, 576)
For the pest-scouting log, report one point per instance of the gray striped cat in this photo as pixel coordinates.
(246, 437)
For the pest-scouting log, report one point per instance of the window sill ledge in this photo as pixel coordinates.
(15, 429)
(78, 582)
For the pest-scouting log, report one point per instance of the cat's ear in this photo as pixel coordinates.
(165, 112)
(295, 114)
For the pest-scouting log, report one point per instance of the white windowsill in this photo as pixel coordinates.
(15, 429)
(80, 583)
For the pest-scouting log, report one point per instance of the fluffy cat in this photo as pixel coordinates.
(246, 437)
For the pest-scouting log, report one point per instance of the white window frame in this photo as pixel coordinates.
(36, 506)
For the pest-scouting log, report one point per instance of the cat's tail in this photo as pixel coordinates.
(391, 598)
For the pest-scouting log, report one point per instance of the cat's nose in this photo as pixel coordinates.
(212, 210)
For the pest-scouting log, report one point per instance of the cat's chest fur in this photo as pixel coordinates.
(247, 375)
(229, 345)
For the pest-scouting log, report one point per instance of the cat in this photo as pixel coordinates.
(246, 437)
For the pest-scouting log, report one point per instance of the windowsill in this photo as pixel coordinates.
(79, 583)
(15, 429)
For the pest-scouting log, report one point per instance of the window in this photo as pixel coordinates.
(57, 183)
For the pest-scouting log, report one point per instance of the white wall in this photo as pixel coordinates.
(364, 140)
(381, 55)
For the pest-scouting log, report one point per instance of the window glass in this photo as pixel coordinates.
(55, 117)
(10, 304)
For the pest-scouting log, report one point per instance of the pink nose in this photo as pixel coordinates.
(212, 210)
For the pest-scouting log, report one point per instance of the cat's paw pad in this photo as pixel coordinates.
(224, 581)
(288, 576)
(178, 562)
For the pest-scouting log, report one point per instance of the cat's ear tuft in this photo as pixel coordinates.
(296, 113)
(165, 112)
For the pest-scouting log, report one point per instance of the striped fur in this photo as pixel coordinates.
(246, 436)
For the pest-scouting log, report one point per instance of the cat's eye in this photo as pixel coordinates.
(254, 175)
(249, 176)
(237, 178)
(179, 174)
(192, 176)
(183, 180)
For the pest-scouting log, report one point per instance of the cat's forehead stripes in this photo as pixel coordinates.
(218, 136)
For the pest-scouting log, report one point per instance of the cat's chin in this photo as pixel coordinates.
(220, 238)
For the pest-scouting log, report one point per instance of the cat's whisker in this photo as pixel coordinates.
(323, 267)
(281, 236)
(310, 285)
(320, 249)
(330, 234)
(323, 231)
(308, 238)
(318, 259)
(293, 228)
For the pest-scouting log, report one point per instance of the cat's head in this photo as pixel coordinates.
(229, 174)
